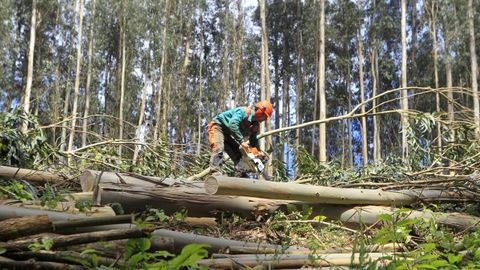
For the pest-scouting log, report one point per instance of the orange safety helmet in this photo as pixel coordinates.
(265, 107)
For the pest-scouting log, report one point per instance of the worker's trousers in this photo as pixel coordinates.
(220, 140)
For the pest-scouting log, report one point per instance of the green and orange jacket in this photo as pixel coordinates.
(238, 122)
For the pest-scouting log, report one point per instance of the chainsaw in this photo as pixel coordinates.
(255, 161)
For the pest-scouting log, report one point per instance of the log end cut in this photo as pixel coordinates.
(211, 185)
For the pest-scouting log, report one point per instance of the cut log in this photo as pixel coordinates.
(18, 227)
(7, 212)
(29, 175)
(192, 197)
(368, 215)
(32, 264)
(222, 185)
(219, 244)
(66, 207)
(90, 179)
(70, 257)
(81, 238)
(289, 260)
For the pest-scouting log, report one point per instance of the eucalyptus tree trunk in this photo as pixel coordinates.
(473, 62)
(286, 80)
(404, 92)
(122, 82)
(91, 46)
(238, 29)
(448, 71)
(141, 117)
(225, 67)
(200, 87)
(413, 49)
(56, 96)
(63, 136)
(77, 76)
(433, 10)
(321, 88)
(299, 79)
(265, 74)
(31, 50)
(362, 91)
(162, 75)
(349, 123)
(376, 132)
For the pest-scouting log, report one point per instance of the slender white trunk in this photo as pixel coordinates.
(473, 62)
(362, 94)
(77, 76)
(140, 118)
(122, 87)
(91, 45)
(31, 50)
(321, 88)
(404, 92)
(162, 75)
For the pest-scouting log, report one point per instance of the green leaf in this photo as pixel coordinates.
(385, 217)
(189, 256)
(3, 250)
(428, 247)
(454, 258)
(439, 263)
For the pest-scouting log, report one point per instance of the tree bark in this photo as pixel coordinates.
(299, 78)
(77, 77)
(404, 91)
(140, 118)
(191, 196)
(433, 6)
(297, 261)
(81, 238)
(162, 75)
(473, 62)
(362, 90)
(31, 50)
(91, 45)
(448, 71)
(222, 185)
(30, 175)
(123, 42)
(32, 264)
(321, 88)
(89, 180)
(23, 226)
(62, 257)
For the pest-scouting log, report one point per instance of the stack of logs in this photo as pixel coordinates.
(69, 232)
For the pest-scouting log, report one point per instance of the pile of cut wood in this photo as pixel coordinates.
(22, 229)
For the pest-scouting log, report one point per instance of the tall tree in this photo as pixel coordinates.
(123, 46)
(31, 50)
(77, 76)
(299, 71)
(432, 10)
(362, 90)
(321, 87)
(404, 92)
(162, 71)
(473, 63)
(91, 45)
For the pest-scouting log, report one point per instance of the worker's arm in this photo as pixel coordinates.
(234, 124)
(253, 141)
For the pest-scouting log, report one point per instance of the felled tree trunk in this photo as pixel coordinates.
(17, 227)
(222, 185)
(289, 260)
(81, 238)
(30, 175)
(90, 179)
(191, 196)
(368, 215)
